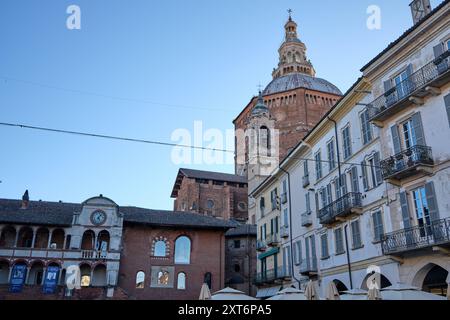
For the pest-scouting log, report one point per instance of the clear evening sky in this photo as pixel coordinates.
(157, 55)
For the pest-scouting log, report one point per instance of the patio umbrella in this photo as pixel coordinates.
(354, 294)
(332, 292)
(289, 294)
(205, 294)
(311, 292)
(230, 294)
(400, 291)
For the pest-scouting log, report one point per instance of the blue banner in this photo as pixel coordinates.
(51, 279)
(19, 273)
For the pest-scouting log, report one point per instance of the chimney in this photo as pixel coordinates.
(419, 9)
(25, 200)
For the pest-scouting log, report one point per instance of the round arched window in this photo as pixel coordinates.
(183, 250)
(210, 204)
(160, 249)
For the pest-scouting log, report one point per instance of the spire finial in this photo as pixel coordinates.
(259, 88)
(289, 12)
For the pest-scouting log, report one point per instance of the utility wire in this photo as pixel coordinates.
(42, 85)
(86, 134)
(110, 137)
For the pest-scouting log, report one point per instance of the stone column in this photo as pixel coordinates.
(10, 273)
(43, 276)
(28, 275)
(17, 238)
(50, 234)
(34, 238)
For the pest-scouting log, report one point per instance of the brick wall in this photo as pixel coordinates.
(207, 255)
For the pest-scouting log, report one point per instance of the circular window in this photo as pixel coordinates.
(242, 206)
(210, 204)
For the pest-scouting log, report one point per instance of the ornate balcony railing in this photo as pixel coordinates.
(436, 233)
(305, 180)
(94, 254)
(349, 203)
(273, 239)
(306, 219)
(308, 265)
(435, 72)
(271, 275)
(405, 162)
(284, 231)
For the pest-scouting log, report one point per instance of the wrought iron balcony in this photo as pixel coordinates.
(308, 266)
(272, 275)
(411, 90)
(407, 162)
(437, 233)
(305, 180)
(342, 207)
(273, 240)
(284, 231)
(306, 219)
(261, 245)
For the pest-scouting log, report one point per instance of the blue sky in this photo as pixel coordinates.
(208, 55)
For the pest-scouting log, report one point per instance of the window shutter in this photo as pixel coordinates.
(376, 160)
(271, 226)
(387, 85)
(355, 181)
(418, 129)
(409, 70)
(447, 107)
(396, 139)
(438, 50)
(405, 210)
(431, 200)
(364, 175)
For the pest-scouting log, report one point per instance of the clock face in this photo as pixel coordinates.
(98, 217)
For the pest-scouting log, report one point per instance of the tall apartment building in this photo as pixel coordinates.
(368, 187)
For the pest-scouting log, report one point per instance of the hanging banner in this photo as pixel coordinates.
(51, 279)
(18, 276)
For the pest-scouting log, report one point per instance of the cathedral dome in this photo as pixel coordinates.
(300, 80)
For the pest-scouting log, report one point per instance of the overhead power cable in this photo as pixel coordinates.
(95, 135)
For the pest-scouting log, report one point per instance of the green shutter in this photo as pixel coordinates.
(405, 210)
(355, 181)
(364, 175)
(447, 107)
(396, 139)
(431, 201)
(376, 160)
(418, 129)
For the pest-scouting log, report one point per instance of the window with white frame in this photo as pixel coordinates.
(339, 241)
(331, 155)
(356, 234)
(378, 228)
(371, 171)
(346, 142)
(318, 161)
(324, 245)
(366, 127)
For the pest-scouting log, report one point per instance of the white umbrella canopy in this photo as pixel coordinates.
(311, 292)
(332, 292)
(205, 294)
(354, 294)
(289, 294)
(230, 294)
(400, 291)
